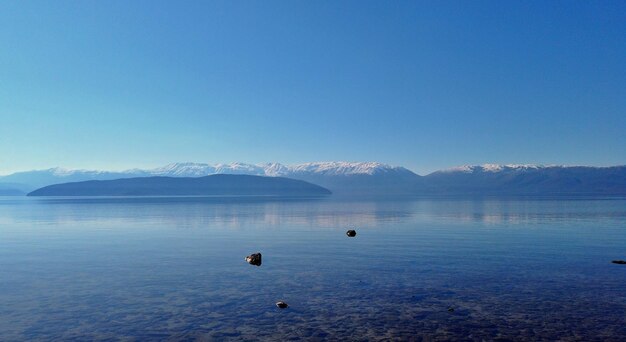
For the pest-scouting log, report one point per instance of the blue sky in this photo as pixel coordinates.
(426, 85)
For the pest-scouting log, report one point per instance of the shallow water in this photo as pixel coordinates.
(173, 268)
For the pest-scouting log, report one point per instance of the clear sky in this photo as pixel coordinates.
(426, 85)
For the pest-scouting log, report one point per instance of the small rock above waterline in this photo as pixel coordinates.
(254, 259)
(619, 262)
(450, 309)
(282, 305)
(351, 233)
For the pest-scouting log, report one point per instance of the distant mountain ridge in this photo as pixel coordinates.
(353, 177)
(214, 185)
(498, 167)
(11, 189)
(528, 179)
(372, 178)
(275, 169)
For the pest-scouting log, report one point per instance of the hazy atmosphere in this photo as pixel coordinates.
(116, 85)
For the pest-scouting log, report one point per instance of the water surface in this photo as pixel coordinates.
(173, 268)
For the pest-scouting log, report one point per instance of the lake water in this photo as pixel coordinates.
(425, 269)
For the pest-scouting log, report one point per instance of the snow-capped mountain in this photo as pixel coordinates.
(528, 179)
(199, 169)
(274, 169)
(344, 168)
(371, 178)
(495, 168)
(343, 176)
(340, 177)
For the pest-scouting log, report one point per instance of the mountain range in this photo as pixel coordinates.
(371, 178)
(492, 179)
(340, 177)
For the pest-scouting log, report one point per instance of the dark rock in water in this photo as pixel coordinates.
(620, 262)
(450, 309)
(254, 259)
(282, 305)
(351, 233)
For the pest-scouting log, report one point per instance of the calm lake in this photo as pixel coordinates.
(424, 269)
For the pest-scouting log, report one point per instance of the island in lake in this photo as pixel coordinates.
(214, 185)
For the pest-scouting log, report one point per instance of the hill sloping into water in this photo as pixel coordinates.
(214, 185)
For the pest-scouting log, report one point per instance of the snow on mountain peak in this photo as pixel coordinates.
(494, 168)
(183, 169)
(341, 168)
(273, 169)
(63, 172)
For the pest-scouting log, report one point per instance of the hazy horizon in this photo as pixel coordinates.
(310, 162)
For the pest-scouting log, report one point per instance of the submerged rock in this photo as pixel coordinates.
(351, 233)
(282, 305)
(254, 259)
(620, 262)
